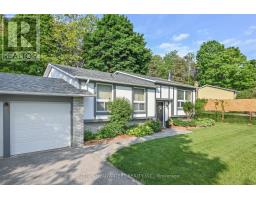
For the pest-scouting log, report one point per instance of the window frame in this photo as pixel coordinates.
(184, 98)
(103, 100)
(139, 102)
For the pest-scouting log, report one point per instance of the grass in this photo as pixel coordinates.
(223, 154)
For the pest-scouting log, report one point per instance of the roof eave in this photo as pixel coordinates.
(45, 94)
(108, 81)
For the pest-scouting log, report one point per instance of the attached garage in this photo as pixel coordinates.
(45, 115)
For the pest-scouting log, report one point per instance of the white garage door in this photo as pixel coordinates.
(37, 126)
(1, 129)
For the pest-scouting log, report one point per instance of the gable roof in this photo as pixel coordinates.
(156, 80)
(35, 85)
(81, 73)
(217, 87)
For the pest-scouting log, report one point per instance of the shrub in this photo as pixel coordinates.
(199, 106)
(154, 124)
(121, 111)
(200, 122)
(88, 135)
(141, 130)
(204, 122)
(182, 122)
(110, 130)
(188, 108)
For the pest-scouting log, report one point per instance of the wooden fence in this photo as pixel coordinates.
(232, 105)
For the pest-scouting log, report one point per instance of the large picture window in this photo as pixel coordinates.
(183, 96)
(138, 100)
(104, 97)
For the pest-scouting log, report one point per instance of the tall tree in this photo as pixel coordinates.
(225, 67)
(155, 66)
(115, 46)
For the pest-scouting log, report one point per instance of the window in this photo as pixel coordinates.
(183, 96)
(104, 97)
(138, 100)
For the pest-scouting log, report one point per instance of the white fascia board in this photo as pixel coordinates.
(135, 76)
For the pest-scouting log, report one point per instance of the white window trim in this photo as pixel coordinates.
(103, 100)
(184, 99)
(144, 101)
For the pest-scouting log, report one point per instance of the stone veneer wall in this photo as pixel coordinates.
(78, 121)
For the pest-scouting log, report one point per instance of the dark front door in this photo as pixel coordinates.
(160, 111)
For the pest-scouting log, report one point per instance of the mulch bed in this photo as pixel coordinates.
(183, 128)
(108, 140)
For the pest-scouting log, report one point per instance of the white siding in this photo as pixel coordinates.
(194, 96)
(102, 117)
(171, 92)
(58, 74)
(139, 115)
(88, 108)
(175, 101)
(91, 88)
(151, 103)
(124, 92)
(1, 129)
(166, 111)
(165, 92)
(181, 112)
(158, 90)
(170, 109)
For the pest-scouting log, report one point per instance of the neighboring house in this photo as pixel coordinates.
(39, 113)
(215, 92)
(150, 97)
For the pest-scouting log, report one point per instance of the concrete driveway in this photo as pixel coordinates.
(85, 165)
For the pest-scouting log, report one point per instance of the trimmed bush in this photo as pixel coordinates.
(154, 124)
(141, 130)
(200, 122)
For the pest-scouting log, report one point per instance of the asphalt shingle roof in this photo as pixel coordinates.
(26, 84)
(103, 76)
(161, 80)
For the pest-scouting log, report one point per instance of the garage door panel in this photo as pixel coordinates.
(37, 126)
(1, 130)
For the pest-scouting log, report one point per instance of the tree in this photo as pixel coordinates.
(68, 35)
(188, 108)
(155, 65)
(224, 67)
(115, 46)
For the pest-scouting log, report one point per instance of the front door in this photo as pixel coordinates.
(160, 111)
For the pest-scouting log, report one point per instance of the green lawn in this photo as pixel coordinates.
(223, 154)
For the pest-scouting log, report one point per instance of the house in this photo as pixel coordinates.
(39, 113)
(215, 92)
(150, 97)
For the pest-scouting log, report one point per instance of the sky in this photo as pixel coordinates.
(185, 33)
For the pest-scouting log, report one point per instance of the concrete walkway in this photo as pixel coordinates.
(85, 165)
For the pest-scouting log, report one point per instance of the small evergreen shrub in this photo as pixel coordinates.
(88, 135)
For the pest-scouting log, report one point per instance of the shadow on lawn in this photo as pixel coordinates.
(168, 161)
